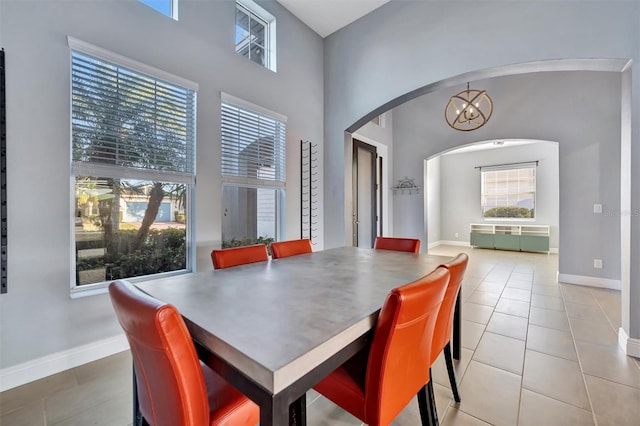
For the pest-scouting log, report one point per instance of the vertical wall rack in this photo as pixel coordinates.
(308, 190)
(3, 166)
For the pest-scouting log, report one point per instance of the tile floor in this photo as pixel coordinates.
(535, 352)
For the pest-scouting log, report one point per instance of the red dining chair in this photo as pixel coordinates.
(410, 245)
(290, 248)
(377, 383)
(226, 258)
(444, 323)
(173, 386)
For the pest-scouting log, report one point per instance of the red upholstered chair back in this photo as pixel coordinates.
(226, 258)
(171, 386)
(290, 248)
(444, 323)
(399, 358)
(410, 245)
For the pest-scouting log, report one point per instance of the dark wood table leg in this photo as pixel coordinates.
(275, 412)
(137, 415)
(457, 327)
(298, 412)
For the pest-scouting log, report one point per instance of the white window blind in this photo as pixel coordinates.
(509, 192)
(129, 124)
(253, 146)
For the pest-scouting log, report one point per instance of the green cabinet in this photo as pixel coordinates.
(534, 243)
(507, 242)
(482, 240)
(510, 237)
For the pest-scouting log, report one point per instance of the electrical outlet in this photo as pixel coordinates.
(597, 208)
(597, 263)
(457, 235)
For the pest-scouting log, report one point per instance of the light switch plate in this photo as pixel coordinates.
(597, 208)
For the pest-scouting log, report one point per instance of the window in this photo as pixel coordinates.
(166, 7)
(133, 166)
(253, 173)
(255, 34)
(509, 192)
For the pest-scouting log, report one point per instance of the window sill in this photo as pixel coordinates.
(103, 287)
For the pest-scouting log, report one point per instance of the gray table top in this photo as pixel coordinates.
(277, 320)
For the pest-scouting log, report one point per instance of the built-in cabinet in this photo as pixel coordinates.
(510, 237)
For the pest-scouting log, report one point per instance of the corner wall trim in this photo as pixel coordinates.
(590, 281)
(39, 368)
(629, 345)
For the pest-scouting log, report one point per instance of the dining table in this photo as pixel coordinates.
(274, 329)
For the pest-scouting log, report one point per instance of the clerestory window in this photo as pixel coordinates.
(255, 34)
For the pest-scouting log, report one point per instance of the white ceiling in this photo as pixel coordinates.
(327, 16)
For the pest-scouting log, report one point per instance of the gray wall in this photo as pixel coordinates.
(37, 316)
(396, 64)
(460, 180)
(589, 153)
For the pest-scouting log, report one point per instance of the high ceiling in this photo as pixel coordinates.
(328, 16)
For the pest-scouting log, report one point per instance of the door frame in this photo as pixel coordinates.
(359, 144)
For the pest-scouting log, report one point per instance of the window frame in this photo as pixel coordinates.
(276, 184)
(509, 168)
(173, 8)
(258, 13)
(131, 173)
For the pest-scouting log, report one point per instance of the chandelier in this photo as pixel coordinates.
(468, 110)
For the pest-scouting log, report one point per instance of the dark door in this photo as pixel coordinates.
(365, 217)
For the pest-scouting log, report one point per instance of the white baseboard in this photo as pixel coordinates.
(629, 345)
(29, 371)
(590, 281)
(448, 243)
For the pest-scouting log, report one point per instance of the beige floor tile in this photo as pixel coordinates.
(555, 377)
(501, 352)
(31, 392)
(546, 290)
(522, 276)
(325, 413)
(527, 268)
(74, 401)
(593, 331)
(537, 410)
(613, 404)
(491, 287)
(513, 307)
(585, 312)
(544, 280)
(484, 298)
(517, 294)
(522, 285)
(31, 414)
(409, 416)
(608, 362)
(113, 412)
(120, 363)
(547, 302)
(439, 368)
(476, 313)
(549, 318)
(490, 394)
(471, 334)
(508, 325)
(552, 342)
(579, 295)
(456, 417)
(609, 301)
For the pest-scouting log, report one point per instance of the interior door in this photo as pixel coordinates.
(365, 217)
